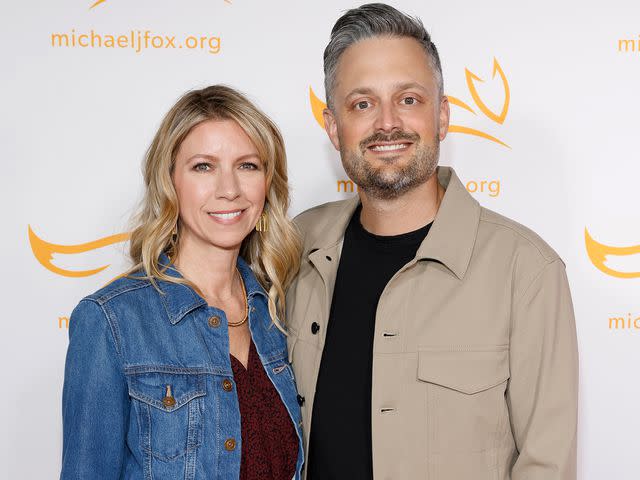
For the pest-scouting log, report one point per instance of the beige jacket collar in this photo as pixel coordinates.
(452, 235)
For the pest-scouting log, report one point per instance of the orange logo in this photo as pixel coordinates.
(599, 253)
(44, 252)
(317, 105)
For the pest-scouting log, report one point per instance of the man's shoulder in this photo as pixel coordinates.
(314, 221)
(508, 235)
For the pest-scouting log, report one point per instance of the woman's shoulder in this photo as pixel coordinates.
(122, 287)
(93, 317)
(123, 304)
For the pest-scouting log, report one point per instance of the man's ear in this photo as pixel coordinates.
(331, 127)
(444, 117)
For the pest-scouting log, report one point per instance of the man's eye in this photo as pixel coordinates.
(409, 100)
(202, 167)
(362, 105)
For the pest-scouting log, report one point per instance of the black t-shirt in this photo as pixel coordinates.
(340, 443)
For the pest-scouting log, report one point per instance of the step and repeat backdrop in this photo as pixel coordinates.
(544, 129)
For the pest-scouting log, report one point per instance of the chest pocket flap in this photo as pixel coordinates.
(467, 371)
(166, 391)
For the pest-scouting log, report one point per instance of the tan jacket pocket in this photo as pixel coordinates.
(465, 370)
(465, 406)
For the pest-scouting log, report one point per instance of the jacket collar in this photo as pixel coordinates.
(451, 238)
(335, 232)
(179, 299)
(453, 234)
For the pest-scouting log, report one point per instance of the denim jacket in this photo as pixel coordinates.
(143, 393)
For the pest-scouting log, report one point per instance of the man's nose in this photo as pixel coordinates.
(388, 118)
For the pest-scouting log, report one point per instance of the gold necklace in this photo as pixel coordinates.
(246, 303)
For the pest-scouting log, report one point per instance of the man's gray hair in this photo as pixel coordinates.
(369, 21)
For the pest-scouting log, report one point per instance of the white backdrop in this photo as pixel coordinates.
(77, 120)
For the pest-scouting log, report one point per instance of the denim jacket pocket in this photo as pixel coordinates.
(170, 405)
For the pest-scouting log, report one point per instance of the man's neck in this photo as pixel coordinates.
(411, 211)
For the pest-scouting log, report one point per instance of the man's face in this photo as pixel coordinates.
(388, 118)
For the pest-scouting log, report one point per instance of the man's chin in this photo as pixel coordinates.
(388, 175)
(385, 186)
(383, 192)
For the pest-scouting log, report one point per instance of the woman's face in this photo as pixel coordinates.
(221, 186)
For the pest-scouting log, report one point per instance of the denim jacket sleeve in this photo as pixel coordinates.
(95, 406)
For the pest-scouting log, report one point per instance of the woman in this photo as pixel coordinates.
(179, 369)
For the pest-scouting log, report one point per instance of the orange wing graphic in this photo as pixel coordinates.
(598, 253)
(459, 103)
(43, 251)
(477, 133)
(498, 118)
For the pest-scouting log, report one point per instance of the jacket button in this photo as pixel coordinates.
(314, 328)
(214, 321)
(300, 399)
(227, 386)
(168, 401)
(230, 444)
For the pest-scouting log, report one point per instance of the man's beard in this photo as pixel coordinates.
(390, 183)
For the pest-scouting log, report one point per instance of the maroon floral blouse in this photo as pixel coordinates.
(269, 439)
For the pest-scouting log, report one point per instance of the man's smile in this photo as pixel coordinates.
(389, 147)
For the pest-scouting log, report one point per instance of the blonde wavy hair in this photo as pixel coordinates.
(274, 255)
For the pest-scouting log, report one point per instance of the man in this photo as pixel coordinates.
(431, 338)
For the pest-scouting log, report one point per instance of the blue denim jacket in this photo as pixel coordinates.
(127, 344)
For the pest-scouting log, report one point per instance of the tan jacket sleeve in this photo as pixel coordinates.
(543, 389)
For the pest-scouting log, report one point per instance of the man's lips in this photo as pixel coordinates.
(385, 147)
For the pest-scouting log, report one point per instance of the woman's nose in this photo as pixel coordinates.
(227, 185)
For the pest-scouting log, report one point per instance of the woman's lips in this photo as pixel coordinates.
(226, 217)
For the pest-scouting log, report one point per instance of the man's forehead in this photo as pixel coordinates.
(383, 61)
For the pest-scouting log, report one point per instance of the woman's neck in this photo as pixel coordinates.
(212, 270)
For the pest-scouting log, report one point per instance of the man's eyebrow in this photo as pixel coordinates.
(409, 86)
(360, 91)
(397, 86)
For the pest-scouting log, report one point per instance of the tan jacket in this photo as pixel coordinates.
(475, 362)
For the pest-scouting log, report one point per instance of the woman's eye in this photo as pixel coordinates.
(202, 167)
(362, 105)
(409, 100)
(249, 166)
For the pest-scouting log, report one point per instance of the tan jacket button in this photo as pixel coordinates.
(230, 444)
(214, 321)
(227, 386)
(168, 401)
